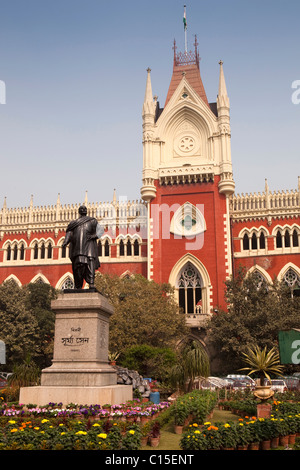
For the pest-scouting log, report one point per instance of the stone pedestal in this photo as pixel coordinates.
(80, 372)
(264, 410)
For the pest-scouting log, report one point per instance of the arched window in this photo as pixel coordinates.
(189, 284)
(35, 251)
(22, 252)
(292, 280)
(262, 241)
(99, 248)
(8, 253)
(260, 281)
(43, 250)
(49, 251)
(254, 242)
(295, 238)
(287, 242)
(136, 248)
(121, 248)
(63, 251)
(15, 252)
(68, 284)
(106, 248)
(245, 242)
(278, 239)
(128, 246)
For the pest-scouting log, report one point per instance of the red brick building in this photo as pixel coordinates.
(189, 228)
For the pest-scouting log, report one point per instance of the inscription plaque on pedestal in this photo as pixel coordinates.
(80, 341)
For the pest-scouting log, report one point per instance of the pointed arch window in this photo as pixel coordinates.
(99, 248)
(22, 252)
(287, 241)
(295, 238)
(136, 248)
(254, 242)
(292, 280)
(262, 241)
(49, 251)
(121, 248)
(189, 285)
(68, 284)
(43, 251)
(278, 239)
(15, 251)
(8, 253)
(246, 244)
(128, 248)
(260, 281)
(106, 248)
(35, 251)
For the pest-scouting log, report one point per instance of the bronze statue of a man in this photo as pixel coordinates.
(82, 235)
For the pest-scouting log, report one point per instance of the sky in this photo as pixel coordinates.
(74, 75)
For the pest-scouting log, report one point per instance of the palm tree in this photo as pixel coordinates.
(193, 361)
(262, 362)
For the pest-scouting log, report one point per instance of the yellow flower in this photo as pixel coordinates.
(11, 422)
(44, 421)
(62, 433)
(241, 424)
(60, 424)
(207, 423)
(102, 435)
(14, 430)
(226, 425)
(82, 433)
(131, 431)
(195, 425)
(96, 424)
(36, 428)
(197, 431)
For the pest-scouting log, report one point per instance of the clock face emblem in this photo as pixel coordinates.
(186, 144)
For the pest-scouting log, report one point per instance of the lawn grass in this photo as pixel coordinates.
(170, 441)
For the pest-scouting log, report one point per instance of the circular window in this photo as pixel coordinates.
(187, 144)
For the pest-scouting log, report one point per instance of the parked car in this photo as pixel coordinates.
(278, 385)
(292, 382)
(244, 379)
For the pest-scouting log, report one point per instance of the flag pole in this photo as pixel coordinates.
(185, 29)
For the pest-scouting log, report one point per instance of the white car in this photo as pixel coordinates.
(278, 385)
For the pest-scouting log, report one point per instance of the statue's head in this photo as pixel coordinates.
(82, 210)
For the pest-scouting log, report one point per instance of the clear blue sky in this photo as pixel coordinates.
(75, 74)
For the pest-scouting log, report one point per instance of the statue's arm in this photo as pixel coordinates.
(67, 239)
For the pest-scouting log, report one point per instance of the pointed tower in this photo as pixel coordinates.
(148, 190)
(187, 180)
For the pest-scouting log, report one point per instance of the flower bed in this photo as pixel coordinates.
(74, 427)
(244, 433)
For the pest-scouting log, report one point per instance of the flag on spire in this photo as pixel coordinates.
(184, 19)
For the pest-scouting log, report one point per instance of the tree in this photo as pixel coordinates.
(145, 312)
(38, 303)
(192, 362)
(149, 361)
(18, 326)
(262, 362)
(256, 312)
(27, 322)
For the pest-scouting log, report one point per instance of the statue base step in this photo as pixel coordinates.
(43, 395)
